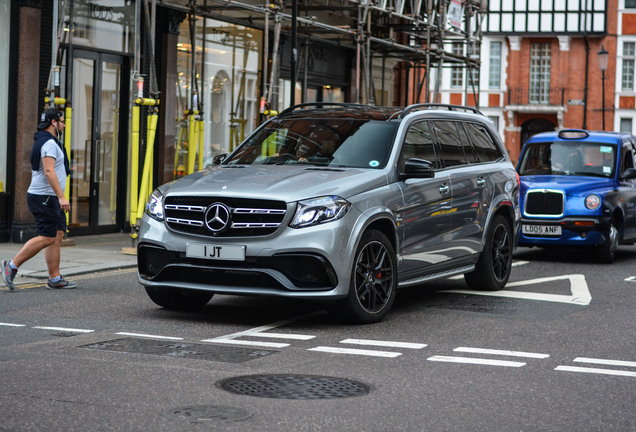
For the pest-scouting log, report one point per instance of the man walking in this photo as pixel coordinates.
(45, 198)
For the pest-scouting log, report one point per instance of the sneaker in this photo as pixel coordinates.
(61, 284)
(8, 274)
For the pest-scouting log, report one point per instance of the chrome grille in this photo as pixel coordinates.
(248, 217)
(544, 202)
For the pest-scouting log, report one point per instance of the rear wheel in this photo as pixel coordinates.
(495, 262)
(177, 299)
(607, 251)
(373, 280)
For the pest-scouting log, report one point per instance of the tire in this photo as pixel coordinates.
(373, 280)
(606, 253)
(176, 299)
(495, 262)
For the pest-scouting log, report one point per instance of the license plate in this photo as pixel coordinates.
(544, 230)
(216, 252)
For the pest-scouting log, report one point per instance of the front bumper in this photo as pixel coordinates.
(304, 263)
(574, 232)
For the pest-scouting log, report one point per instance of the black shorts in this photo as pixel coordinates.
(49, 217)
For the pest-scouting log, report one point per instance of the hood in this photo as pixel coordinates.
(276, 182)
(571, 185)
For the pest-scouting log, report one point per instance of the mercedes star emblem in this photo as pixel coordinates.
(217, 217)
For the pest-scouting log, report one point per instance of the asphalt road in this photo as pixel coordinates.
(554, 351)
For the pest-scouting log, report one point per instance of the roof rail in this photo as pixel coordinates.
(323, 104)
(414, 107)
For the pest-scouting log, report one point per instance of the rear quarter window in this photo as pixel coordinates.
(486, 149)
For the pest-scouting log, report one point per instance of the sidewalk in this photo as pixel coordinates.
(89, 254)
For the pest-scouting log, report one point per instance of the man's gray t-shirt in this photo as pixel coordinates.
(39, 183)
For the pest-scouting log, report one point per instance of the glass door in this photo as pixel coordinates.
(95, 147)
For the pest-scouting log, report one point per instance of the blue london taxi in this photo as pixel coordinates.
(578, 187)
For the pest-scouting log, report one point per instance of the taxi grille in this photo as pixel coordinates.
(543, 202)
(248, 217)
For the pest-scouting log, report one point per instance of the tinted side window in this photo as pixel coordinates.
(452, 149)
(469, 150)
(419, 143)
(485, 147)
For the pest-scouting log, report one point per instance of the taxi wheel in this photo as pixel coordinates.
(373, 280)
(176, 299)
(607, 251)
(495, 262)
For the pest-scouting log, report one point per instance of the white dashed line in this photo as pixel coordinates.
(391, 344)
(470, 360)
(371, 353)
(64, 329)
(283, 336)
(595, 371)
(12, 325)
(501, 352)
(605, 361)
(149, 336)
(247, 342)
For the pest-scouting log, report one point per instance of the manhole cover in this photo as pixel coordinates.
(294, 386)
(207, 413)
(195, 351)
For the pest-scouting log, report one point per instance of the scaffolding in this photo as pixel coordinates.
(420, 33)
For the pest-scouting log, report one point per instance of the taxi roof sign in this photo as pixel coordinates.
(573, 134)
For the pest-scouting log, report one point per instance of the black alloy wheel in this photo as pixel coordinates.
(373, 280)
(495, 262)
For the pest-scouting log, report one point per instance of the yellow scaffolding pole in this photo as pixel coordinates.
(146, 176)
(201, 139)
(134, 168)
(68, 121)
(193, 139)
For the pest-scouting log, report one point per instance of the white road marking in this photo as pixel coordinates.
(605, 361)
(259, 331)
(372, 353)
(149, 336)
(630, 279)
(471, 360)
(64, 329)
(247, 342)
(501, 352)
(383, 343)
(12, 325)
(595, 370)
(284, 336)
(578, 287)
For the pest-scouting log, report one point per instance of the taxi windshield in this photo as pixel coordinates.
(568, 158)
(324, 142)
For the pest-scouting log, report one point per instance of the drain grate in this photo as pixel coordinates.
(207, 413)
(294, 386)
(227, 354)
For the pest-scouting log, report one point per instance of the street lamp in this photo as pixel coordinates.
(603, 58)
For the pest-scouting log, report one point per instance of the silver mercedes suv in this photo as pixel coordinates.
(343, 203)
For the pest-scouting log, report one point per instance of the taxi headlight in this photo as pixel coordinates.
(154, 206)
(592, 202)
(319, 210)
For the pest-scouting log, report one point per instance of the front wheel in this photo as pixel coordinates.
(177, 299)
(607, 251)
(495, 262)
(373, 280)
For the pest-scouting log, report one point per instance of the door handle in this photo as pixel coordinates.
(443, 189)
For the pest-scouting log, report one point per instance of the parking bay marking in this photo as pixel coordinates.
(580, 294)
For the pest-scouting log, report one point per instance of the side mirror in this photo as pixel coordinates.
(629, 173)
(216, 160)
(418, 168)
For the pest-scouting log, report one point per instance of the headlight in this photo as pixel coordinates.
(154, 206)
(319, 210)
(592, 202)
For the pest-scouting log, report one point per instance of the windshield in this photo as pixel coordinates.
(324, 142)
(569, 158)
